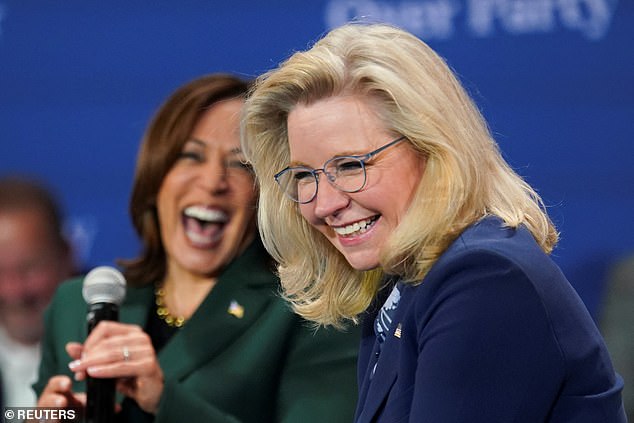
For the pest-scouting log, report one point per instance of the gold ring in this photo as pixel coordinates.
(126, 353)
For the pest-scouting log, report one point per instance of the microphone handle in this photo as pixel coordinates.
(100, 392)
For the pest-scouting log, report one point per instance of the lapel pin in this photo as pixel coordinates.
(397, 332)
(235, 309)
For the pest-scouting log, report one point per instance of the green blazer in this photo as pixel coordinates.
(267, 366)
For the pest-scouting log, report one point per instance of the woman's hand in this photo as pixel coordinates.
(58, 394)
(125, 352)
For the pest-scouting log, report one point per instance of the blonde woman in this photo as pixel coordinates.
(385, 199)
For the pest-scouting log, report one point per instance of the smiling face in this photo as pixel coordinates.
(31, 267)
(357, 224)
(206, 203)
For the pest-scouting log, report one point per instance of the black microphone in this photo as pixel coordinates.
(103, 290)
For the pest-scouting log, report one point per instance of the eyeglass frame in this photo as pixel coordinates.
(363, 158)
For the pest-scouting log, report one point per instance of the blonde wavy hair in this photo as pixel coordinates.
(418, 96)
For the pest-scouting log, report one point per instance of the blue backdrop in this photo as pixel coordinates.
(80, 79)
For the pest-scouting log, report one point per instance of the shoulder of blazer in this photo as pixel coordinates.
(254, 268)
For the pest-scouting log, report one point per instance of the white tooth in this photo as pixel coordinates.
(360, 226)
(208, 215)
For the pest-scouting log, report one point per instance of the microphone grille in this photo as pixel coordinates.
(104, 284)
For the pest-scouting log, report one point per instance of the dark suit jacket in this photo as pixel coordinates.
(494, 333)
(267, 366)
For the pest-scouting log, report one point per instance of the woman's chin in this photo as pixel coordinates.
(362, 261)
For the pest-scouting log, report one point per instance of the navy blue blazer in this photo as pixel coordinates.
(494, 333)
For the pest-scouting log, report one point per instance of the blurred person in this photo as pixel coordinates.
(204, 335)
(35, 258)
(616, 321)
(383, 197)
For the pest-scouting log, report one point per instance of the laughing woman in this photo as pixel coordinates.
(206, 336)
(384, 198)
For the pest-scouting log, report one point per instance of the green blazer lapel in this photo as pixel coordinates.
(137, 305)
(233, 305)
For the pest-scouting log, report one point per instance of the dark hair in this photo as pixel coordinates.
(19, 192)
(162, 143)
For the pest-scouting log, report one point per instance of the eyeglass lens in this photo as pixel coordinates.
(345, 173)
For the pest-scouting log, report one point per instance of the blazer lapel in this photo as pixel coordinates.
(137, 305)
(375, 388)
(232, 306)
(379, 384)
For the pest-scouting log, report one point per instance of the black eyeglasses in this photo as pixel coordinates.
(346, 173)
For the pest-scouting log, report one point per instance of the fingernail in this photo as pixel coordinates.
(73, 364)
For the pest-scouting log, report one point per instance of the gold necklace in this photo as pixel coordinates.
(162, 311)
